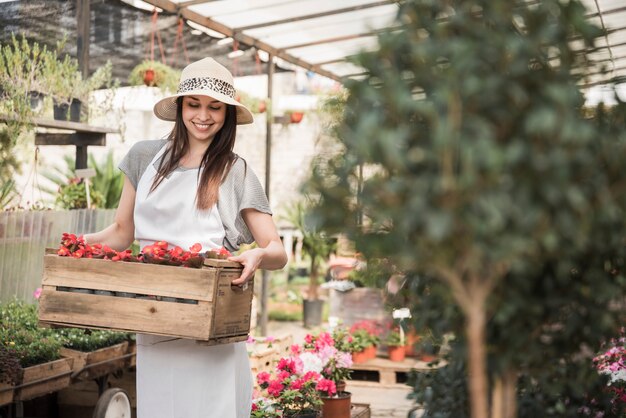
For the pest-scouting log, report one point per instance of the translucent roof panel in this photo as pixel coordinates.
(320, 35)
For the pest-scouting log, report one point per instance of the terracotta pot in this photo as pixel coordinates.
(427, 357)
(148, 77)
(411, 340)
(296, 117)
(370, 351)
(396, 353)
(338, 407)
(359, 357)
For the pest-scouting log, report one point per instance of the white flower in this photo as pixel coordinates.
(311, 362)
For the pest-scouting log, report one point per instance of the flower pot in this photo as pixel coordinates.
(396, 353)
(370, 351)
(427, 357)
(359, 357)
(412, 338)
(296, 117)
(312, 312)
(64, 111)
(337, 407)
(305, 415)
(148, 77)
(36, 100)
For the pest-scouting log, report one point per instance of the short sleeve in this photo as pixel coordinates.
(240, 190)
(137, 159)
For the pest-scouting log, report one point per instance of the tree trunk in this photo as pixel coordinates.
(313, 279)
(477, 356)
(504, 396)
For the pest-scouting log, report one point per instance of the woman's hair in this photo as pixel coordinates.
(216, 161)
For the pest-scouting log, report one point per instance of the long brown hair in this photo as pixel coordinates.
(216, 161)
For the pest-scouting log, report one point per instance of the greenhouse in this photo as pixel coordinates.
(313, 209)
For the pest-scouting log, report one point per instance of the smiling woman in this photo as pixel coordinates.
(192, 188)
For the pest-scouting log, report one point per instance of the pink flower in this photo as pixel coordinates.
(37, 293)
(295, 349)
(275, 388)
(262, 378)
(327, 386)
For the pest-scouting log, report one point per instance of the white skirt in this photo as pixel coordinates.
(178, 378)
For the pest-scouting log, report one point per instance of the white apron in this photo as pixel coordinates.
(177, 378)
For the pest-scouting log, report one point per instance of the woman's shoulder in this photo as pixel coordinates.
(147, 148)
(239, 168)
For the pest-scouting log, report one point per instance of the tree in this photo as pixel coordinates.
(488, 186)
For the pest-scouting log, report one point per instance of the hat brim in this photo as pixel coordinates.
(165, 109)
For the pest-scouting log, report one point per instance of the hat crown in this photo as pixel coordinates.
(206, 68)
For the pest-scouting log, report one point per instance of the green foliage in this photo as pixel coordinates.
(74, 196)
(442, 391)
(108, 181)
(106, 185)
(22, 339)
(88, 340)
(7, 193)
(165, 77)
(283, 316)
(315, 242)
(481, 172)
(394, 339)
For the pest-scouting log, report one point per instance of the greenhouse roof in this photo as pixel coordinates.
(319, 35)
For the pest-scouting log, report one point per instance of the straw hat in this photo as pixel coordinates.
(206, 77)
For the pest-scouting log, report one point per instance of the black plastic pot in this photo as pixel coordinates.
(61, 110)
(36, 100)
(312, 312)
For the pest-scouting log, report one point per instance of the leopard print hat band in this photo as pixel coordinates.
(204, 78)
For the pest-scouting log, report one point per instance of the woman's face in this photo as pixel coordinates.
(203, 117)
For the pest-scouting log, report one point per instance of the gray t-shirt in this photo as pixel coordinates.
(240, 190)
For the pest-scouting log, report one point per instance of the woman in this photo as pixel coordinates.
(186, 189)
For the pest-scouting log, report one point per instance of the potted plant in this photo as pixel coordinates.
(367, 332)
(295, 116)
(290, 390)
(31, 355)
(154, 74)
(395, 345)
(318, 246)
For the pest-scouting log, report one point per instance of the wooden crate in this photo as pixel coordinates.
(94, 364)
(262, 361)
(6, 394)
(44, 378)
(170, 301)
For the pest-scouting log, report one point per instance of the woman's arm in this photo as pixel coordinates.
(121, 233)
(270, 253)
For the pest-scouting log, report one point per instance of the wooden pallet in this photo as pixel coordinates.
(360, 410)
(386, 372)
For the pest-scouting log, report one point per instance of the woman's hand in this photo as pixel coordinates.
(250, 260)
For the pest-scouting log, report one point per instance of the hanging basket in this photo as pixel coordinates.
(296, 117)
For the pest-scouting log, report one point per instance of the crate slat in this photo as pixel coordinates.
(141, 278)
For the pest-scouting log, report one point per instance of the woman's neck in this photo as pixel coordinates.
(193, 156)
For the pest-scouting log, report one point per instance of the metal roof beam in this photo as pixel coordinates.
(188, 3)
(337, 39)
(315, 15)
(240, 37)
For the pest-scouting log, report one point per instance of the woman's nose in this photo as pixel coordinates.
(205, 114)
